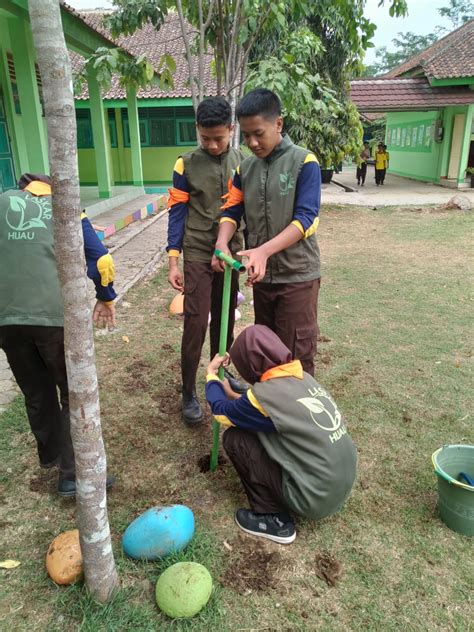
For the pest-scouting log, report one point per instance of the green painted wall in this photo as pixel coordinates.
(15, 128)
(157, 162)
(413, 152)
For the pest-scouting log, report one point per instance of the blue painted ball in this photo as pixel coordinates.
(158, 532)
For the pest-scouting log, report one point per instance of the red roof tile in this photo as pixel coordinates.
(398, 95)
(154, 44)
(450, 57)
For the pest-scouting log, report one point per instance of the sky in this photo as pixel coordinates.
(422, 19)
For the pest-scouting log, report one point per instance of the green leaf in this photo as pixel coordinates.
(36, 222)
(312, 404)
(17, 204)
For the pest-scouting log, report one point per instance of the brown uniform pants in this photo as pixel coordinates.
(36, 358)
(291, 311)
(203, 290)
(260, 475)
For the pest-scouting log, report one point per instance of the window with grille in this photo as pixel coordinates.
(84, 129)
(163, 126)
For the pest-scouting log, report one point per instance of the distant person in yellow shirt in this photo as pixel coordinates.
(380, 164)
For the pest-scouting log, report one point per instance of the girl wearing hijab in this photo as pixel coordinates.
(285, 437)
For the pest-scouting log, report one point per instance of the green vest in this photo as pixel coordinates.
(29, 284)
(269, 187)
(312, 446)
(208, 178)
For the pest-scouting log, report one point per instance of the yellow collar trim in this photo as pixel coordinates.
(38, 188)
(292, 369)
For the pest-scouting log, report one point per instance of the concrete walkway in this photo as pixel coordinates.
(396, 191)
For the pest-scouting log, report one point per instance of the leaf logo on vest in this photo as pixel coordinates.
(327, 417)
(22, 217)
(287, 182)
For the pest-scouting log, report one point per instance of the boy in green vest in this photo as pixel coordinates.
(200, 180)
(277, 192)
(285, 437)
(31, 316)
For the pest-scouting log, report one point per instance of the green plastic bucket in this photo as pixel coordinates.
(455, 499)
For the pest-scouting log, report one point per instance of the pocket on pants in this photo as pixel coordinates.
(305, 342)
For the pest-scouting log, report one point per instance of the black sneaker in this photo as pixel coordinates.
(67, 488)
(191, 410)
(276, 527)
(235, 384)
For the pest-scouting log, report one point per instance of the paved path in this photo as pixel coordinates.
(137, 250)
(396, 191)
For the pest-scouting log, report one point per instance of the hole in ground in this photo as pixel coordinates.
(204, 462)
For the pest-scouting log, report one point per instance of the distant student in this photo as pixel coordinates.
(200, 180)
(362, 167)
(387, 154)
(287, 439)
(380, 164)
(277, 192)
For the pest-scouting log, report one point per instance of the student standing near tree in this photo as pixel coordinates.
(380, 164)
(277, 191)
(31, 316)
(200, 180)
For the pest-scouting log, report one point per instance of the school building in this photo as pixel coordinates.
(166, 118)
(429, 106)
(126, 140)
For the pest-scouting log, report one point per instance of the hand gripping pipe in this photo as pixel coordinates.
(230, 264)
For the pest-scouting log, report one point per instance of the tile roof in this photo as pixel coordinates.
(450, 57)
(81, 17)
(407, 94)
(154, 44)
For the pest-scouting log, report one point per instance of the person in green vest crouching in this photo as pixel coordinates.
(277, 192)
(31, 316)
(200, 181)
(286, 437)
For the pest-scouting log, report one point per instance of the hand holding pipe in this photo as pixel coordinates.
(237, 265)
(230, 264)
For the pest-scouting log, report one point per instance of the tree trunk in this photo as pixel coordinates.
(53, 61)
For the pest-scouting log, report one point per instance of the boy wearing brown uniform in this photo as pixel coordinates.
(277, 192)
(200, 180)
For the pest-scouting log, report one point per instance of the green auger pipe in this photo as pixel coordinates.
(231, 264)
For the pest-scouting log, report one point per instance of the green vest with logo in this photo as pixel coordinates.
(269, 187)
(29, 284)
(312, 446)
(208, 178)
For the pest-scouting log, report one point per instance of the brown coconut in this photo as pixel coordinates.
(64, 558)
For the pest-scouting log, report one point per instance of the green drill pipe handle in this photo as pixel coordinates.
(232, 262)
(230, 265)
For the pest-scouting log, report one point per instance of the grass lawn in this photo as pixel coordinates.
(395, 320)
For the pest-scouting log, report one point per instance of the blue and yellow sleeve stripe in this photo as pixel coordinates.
(308, 197)
(178, 199)
(244, 412)
(100, 265)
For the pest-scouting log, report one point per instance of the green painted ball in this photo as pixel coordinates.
(183, 589)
